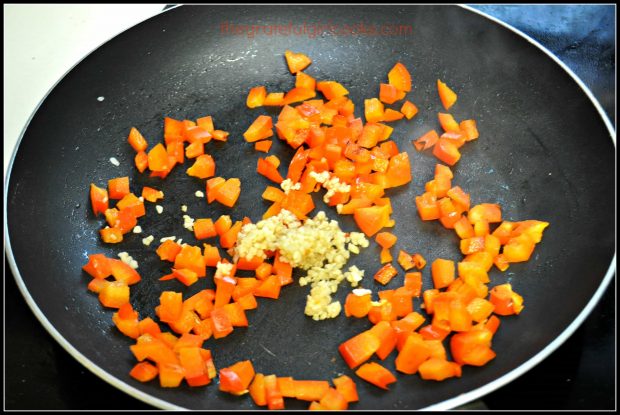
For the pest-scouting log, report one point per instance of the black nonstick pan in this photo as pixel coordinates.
(544, 153)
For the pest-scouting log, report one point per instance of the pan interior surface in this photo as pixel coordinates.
(543, 153)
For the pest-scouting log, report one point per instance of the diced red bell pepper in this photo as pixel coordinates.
(409, 110)
(304, 80)
(126, 320)
(203, 167)
(274, 397)
(310, 390)
(472, 347)
(413, 283)
(229, 238)
(136, 140)
(114, 294)
(222, 326)
(359, 348)
(269, 288)
(269, 171)
(371, 219)
(446, 151)
(296, 62)
(260, 129)
(376, 374)
(98, 199)
(257, 390)
(412, 355)
(98, 266)
(194, 366)
(443, 272)
(505, 301)
(144, 372)
(158, 158)
(385, 274)
(151, 194)
(237, 378)
(132, 202)
(439, 369)
(118, 187)
(427, 205)
(263, 145)
(357, 305)
(447, 95)
(387, 337)
(468, 127)
(123, 272)
(331, 89)
(480, 309)
(333, 401)
(347, 388)
(373, 110)
(190, 257)
(228, 192)
(298, 94)
(141, 161)
(400, 77)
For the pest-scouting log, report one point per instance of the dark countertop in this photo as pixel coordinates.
(40, 374)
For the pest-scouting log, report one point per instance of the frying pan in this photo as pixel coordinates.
(544, 153)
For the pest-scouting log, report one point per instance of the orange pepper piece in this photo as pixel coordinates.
(263, 146)
(331, 89)
(141, 161)
(409, 110)
(347, 388)
(256, 97)
(296, 62)
(237, 378)
(260, 129)
(385, 274)
(359, 348)
(376, 374)
(136, 140)
(228, 193)
(144, 372)
(399, 77)
(447, 95)
(426, 141)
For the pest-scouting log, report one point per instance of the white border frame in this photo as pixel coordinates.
(445, 405)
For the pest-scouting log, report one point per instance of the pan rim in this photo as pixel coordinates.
(444, 405)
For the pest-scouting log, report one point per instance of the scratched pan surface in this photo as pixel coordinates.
(544, 153)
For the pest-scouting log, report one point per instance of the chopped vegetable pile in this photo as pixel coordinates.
(355, 162)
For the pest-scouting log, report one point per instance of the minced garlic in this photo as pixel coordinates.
(127, 259)
(287, 185)
(147, 241)
(317, 245)
(360, 292)
(354, 275)
(159, 209)
(319, 303)
(223, 268)
(188, 223)
(137, 229)
(332, 184)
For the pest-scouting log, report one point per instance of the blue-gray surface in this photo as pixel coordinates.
(582, 36)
